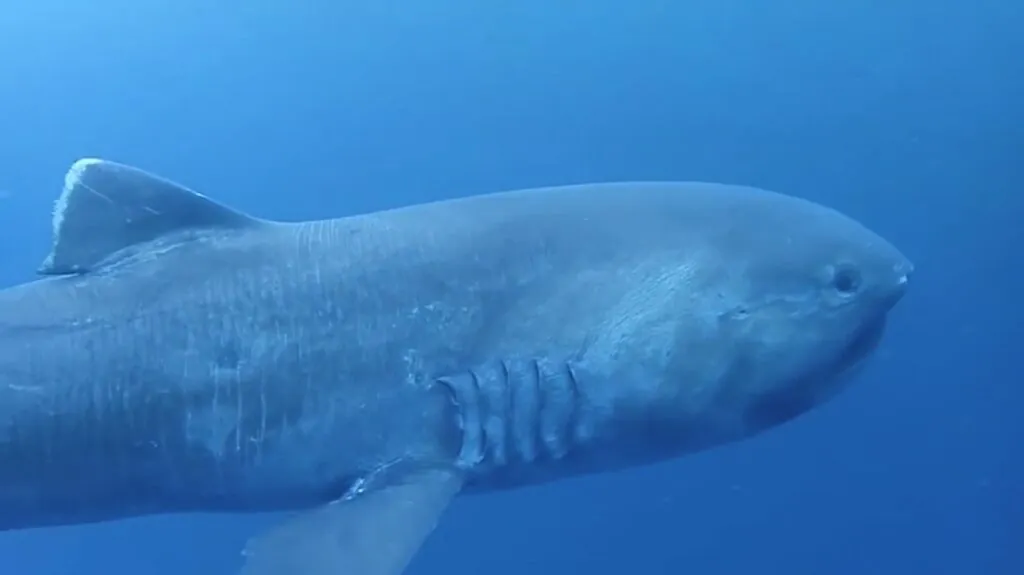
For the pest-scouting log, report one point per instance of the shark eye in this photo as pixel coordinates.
(846, 280)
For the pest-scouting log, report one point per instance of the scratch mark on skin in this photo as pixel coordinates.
(238, 415)
(38, 390)
(263, 420)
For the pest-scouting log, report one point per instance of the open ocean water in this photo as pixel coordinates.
(906, 114)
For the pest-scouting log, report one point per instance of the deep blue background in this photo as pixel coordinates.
(908, 115)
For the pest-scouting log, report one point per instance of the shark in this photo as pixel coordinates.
(177, 355)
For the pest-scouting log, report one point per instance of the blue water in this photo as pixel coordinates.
(908, 115)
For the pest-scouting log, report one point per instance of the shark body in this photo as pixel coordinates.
(179, 355)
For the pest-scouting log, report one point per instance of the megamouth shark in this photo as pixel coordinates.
(180, 356)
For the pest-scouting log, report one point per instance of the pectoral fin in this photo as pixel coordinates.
(373, 533)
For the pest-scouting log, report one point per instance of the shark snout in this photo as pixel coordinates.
(901, 273)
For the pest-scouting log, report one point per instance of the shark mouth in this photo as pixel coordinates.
(865, 342)
(781, 406)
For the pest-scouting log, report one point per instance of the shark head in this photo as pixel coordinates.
(753, 308)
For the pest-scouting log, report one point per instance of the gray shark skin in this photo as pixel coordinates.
(181, 356)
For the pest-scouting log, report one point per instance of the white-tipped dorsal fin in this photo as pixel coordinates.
(106, 207)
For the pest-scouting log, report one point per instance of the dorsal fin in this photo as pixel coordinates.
(107, 207)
